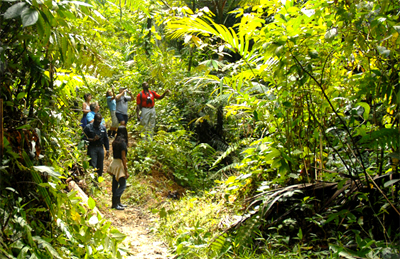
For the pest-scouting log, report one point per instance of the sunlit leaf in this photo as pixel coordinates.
(93, 220)
(114, 233)
(15, 10)
(91, 203)
(331, 34)
(29, 17)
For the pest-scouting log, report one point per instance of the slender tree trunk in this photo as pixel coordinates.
(148, 38)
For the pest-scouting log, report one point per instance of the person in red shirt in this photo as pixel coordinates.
(145, 111)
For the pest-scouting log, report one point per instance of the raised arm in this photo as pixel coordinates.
(165, 93)
(118, 96)
(113, 92)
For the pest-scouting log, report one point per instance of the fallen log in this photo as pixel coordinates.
(73, 186)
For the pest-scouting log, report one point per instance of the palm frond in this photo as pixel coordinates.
(205, 26)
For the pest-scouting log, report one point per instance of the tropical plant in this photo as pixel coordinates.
(319, 85)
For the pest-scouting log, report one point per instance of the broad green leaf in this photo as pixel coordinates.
(114, 233)
(15, 10)
(214, 64)
(29, 17)
(272, 154)
(367, 109)
(21, 95)
(48, 170)
(91, 203)
(341, 183)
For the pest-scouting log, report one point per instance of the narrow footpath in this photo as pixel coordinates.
(134, 221)
(135, 224)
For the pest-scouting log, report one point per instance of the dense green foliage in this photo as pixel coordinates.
(282, 112)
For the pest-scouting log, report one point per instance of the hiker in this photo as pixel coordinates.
(94, 109)
(145, 111)
(96, 134)
(85, 108)
(112, 105)
(122, 105)
(118, 168)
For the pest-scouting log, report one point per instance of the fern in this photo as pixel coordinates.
(230, 149)
(247, 232)
(203, 153)
(227, 168)
(218, 244)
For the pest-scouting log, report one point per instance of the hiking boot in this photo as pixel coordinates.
(115, 204)
(120, 204)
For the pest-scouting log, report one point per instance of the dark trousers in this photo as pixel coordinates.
(118, 187)
(96, 154)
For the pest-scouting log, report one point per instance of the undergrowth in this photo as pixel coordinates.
(190, 224)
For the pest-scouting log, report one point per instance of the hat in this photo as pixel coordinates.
(122, 88)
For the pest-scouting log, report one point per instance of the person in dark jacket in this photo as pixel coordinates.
(118, 168)
(96, 134)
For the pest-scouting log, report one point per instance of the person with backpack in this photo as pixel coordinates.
(118, 168)
(145, 111)
(96, 135)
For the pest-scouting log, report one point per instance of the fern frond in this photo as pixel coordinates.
(230, 149)
(219, 242)
(227, 168)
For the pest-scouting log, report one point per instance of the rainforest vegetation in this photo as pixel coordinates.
(282, 125)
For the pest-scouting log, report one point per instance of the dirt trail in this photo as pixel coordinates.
(134, 222)
(135, 225)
